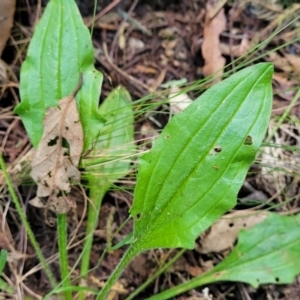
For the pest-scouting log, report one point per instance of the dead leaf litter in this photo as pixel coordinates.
(55, 162)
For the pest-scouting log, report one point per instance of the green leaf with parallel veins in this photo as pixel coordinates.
(267, 253)
(110, 158)
(196, 167)
(59, 51)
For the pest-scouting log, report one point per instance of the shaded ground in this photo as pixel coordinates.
(156, 44)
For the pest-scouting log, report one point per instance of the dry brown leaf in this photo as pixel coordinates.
(236, 50)
(52, 165)
(3, 72)
(214, 7)
(284, 88)
(294, 60)
(213, 27)
(178, 101)
(280, 62)
(7, 11)
(224, 232)
(194, 270)
(145, 69)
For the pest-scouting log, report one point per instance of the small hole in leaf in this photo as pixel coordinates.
(248, 140)
(231, 224)
(218, 149)
(53, 142)
(138, 216)
(44, 200)
(66, 145)
(60, 194)
(257, 279)
(167, 136)
(277, 279)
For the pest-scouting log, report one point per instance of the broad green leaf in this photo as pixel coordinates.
(110, 158)
(196, 167)
(59, 51)
(267, 253)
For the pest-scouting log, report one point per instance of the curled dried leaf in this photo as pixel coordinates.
(7, 11)
(56, 159)
(215, 24)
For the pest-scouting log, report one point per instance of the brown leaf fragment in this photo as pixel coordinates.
(56, 159)
(213, 27)
(236, 50)
(224, 232)
(7, 11)
(294, 60)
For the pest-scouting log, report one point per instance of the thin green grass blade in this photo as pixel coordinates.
(3, 259)
(25, 223)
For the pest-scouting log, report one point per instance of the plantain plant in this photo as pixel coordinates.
(193, 172)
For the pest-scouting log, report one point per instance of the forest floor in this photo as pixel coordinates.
(142, 45)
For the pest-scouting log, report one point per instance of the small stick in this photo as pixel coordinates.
(103, 12)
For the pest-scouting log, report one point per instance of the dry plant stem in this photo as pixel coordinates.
(121, 26)
(74, 234)
(102, 12)
(155, 275)
(32, 294)
(63, 253)
(38, 11)
(26, 224)
(139, 85)
(6, 285)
